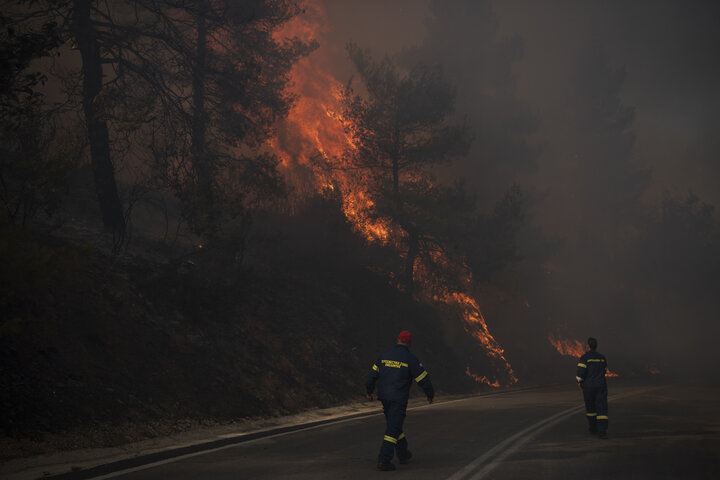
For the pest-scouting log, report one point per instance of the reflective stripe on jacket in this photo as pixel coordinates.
(591, 369)
(394, 372)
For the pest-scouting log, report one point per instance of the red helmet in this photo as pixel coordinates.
(405, 337)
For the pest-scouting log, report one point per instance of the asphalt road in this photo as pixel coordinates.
(657, 431)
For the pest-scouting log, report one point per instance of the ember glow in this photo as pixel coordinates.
(313, 144)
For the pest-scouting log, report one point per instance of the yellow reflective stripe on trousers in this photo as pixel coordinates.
(402, 435)
(375, 367)
(592, 415)
(582, 365)
(421, 376)
(390, 439)
(602, 417)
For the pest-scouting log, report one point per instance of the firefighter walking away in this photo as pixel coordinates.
(394, 371)
(590, 376)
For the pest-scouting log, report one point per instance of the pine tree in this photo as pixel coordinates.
(401, 132)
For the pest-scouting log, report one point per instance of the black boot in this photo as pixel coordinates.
(385, 466)
(405, 460)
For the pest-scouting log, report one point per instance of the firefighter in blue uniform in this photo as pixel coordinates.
(591, 378)
(394, 372)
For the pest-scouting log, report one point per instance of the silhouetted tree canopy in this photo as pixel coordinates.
(221, 74)
(20, 45)
(464, 37)
(401, 130)
(183, 95)
(492, 243)
(34, 159)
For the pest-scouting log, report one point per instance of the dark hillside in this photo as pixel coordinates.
(106, 350)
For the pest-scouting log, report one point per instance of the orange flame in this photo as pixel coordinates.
(565, 346)
(313, 140)
(573, 348)
(481, 379)
(477, 327)
(313, 144)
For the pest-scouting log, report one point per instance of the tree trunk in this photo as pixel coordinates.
(200, 158)
(413, 251)
(396, 181)
(102, 166)
(396, 165)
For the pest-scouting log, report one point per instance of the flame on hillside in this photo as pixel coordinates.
(314, 143)
(475, 325)
(481, 378)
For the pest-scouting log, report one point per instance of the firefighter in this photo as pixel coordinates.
(591, 378)
(394, 372)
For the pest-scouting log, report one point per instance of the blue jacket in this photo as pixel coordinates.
(591, 370)
(394, 372)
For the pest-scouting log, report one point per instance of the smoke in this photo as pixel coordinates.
(664, 57)
(669, 52)
(595, 109)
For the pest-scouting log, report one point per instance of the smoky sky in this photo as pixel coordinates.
(669, 50)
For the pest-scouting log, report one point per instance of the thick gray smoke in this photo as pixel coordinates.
(605, 114)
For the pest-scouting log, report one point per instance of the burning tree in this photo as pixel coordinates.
(399, 131)
(183, 94)
(375, 146)
(222, 89)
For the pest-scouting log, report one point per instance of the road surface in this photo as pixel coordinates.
(657, 430)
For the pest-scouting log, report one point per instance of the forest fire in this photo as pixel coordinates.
(572, 348)
(314, 143)
(313, 140)
(220, 216)
(481, 379)
(476, 326)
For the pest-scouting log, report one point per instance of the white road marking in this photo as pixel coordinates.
(520, 438)
(262, 439)
(510, 445)
(506, 447)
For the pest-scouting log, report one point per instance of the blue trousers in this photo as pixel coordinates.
(596, 408)
(394, 439)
